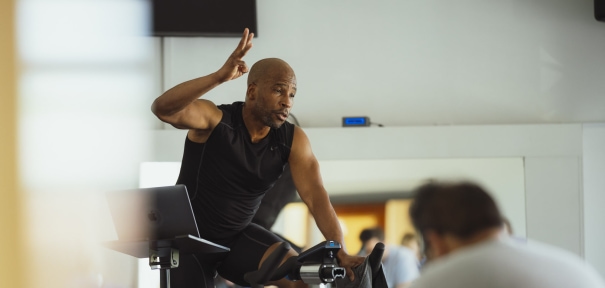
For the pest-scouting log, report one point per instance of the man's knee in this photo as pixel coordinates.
(271, 249)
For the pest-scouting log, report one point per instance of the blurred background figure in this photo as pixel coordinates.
(461, 227)
(399, 263)
(411, 241)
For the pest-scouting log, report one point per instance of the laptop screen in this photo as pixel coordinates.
(152, 213)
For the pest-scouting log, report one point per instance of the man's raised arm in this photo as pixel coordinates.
(180, 106)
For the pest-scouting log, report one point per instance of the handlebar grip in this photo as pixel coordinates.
(375, 258)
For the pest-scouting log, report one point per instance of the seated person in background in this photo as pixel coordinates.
(461, 227)
(399, 263)
(412, 241)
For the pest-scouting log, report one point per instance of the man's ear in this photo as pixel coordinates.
(437, 245)
(251, 91)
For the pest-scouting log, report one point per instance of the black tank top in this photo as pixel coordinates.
(227, 176)
(282, 193)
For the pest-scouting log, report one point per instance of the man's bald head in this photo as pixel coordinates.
(269, 68)
(270, 92)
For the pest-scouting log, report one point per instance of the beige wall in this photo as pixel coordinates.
(397, 220)
(10, 201)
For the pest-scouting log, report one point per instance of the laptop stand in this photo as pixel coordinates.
(164, 254)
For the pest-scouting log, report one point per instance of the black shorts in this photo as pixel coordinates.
(247, 249)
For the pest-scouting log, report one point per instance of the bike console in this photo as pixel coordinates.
(318, 264)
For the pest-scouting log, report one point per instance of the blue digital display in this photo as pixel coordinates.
(355, 121)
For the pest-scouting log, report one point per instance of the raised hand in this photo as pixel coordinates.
(235, 67)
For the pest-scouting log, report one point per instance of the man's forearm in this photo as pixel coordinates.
(327, 221)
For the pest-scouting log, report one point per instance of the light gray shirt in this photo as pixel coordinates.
(505, 263)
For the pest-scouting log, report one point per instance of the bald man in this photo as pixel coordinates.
(233, 154)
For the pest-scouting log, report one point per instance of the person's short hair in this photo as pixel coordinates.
(369, 233)
(457, 208)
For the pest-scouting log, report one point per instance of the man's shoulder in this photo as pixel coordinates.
(231, 107)
(232, 114)
(285, 133)
(287, 126)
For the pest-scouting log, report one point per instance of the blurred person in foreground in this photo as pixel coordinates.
(461, 227)
(399, 263)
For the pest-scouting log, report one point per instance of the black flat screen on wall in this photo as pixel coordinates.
(599, 10)
(211, 18)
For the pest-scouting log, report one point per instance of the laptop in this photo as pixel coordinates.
(152, 213)
(155, 215)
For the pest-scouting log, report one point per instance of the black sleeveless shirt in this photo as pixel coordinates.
(227, 176)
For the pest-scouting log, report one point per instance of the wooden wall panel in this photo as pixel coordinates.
(356, 217)
(10, 205)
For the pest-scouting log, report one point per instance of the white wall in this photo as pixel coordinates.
(395, 178)
(593, 167)
(553, 190)
(421, 62)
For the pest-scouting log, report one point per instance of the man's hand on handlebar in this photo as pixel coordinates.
(348, 261)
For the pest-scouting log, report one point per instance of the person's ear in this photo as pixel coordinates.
(436, 244)
(251, 91)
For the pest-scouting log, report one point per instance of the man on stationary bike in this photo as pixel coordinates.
(233, 154)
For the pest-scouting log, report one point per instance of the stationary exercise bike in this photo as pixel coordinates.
(317, 265)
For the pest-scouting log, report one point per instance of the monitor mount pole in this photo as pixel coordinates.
(164, 259)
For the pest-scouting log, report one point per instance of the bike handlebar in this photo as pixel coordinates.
(375, 258)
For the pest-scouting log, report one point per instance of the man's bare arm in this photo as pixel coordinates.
(180, 106)
(307, 178)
